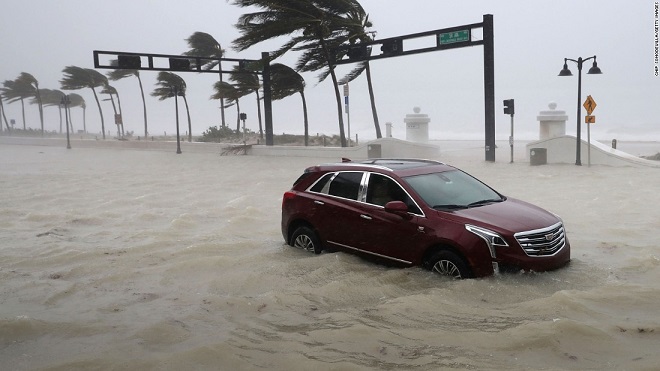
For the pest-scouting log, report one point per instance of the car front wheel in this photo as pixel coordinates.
(446, 263)
(305, 238)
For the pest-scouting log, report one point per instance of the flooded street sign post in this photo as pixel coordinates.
(594, 70)
(590, 106)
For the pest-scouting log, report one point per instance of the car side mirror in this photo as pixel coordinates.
(398, 208)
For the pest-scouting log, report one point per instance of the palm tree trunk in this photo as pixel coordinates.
(100, 112)
(306, 122)
(23, 111)
(114, 109)
(144, 107)
(222, 100)
(41, 108)
(121, 115)
(340, 114)
(373, 102)
(2, 109)
(185, 101)
(70, 119)
(60, 110)
(85, 120)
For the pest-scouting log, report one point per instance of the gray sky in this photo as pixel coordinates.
(532, 38)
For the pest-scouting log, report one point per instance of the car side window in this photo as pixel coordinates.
(343, 184)
(322, 184)
(346, 185)
(382, 190)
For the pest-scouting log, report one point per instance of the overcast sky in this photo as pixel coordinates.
(532, 38)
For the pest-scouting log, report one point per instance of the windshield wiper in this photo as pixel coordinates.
(484, 202)
(450, 207)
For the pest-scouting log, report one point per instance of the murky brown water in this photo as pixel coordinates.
(151, 260)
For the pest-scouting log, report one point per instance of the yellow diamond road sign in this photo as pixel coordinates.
(589, 105)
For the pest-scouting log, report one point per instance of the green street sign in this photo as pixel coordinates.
(453, 37)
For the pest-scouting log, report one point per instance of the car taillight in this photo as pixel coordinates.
(288, 196)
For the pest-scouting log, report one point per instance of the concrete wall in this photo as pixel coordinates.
(389, 147)
(561, 150)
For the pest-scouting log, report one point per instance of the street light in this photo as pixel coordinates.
(594, 70)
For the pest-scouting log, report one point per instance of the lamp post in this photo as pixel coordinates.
(65, 103)
(594, 70)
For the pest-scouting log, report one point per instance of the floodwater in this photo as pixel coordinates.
(114, 259)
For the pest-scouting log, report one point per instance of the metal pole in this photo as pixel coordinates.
(589, 145)
(511, 139)
(268, 109)
(578, 157)
(489, 86)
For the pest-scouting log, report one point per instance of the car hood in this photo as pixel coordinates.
(511, 215)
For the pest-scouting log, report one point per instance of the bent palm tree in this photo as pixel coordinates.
(17, 90)
(76, 78)
(115, 75)
(78, 101)
(50, 98)
(167, 84)
(246, 83)
(285, 81)
(224, 90)
(318, 26)
(110, 90)
(202, 44)
(32, 86)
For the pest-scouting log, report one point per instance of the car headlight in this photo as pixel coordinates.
(492, 239)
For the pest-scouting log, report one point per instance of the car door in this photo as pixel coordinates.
(338, 209)
(383, 233)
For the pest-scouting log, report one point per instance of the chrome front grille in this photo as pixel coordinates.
(543, 242)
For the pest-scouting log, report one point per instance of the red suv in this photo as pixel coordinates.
(420, 212)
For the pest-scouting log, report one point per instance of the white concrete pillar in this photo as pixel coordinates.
(388, 130)
(552, 123)
(417, 126)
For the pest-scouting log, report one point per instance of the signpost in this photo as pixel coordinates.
(590, 106)
(453, 37)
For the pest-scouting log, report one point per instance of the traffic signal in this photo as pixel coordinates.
(508, 107)
(131, 62)
(357, 52)
(393, 46)
(179, 64)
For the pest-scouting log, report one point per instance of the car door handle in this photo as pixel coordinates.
(363, 216)
(319, 202)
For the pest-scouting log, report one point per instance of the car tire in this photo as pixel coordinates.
(447, 263)
(305, 238)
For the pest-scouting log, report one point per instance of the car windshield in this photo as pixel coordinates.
(452, 189)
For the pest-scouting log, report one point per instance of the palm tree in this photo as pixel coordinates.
(78, 101)
(50, 98)
(115, 75)
(33, 85)
(358, 31)
(76, 78)
(17, 90)
(110, 90)
(167, 84)
(246, 83)
(285, 81)
(204, 45)
(225, 90)
(317, 26)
